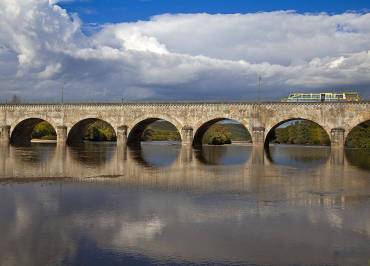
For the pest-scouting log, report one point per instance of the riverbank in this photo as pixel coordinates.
(43, 141)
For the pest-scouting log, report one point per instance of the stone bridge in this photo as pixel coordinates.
(191, 119)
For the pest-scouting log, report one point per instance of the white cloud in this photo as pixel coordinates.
(184, 56)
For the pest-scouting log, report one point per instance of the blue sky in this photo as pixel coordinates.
(113, 11)
(162, 50)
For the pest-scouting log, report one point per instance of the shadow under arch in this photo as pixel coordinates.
(201, 131)
(359, 136)
(357, 145)
(76, 135)
(312, 154)
(135, 135)
(271, 133)
(21, 135)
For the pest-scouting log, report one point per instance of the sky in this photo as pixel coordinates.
(116, 11)
(164, 50)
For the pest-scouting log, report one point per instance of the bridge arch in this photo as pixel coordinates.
(139, 125)
(76, 132)
(362, 130)
(202, 128)
(21, 130)
(354, 121)
(271, 129)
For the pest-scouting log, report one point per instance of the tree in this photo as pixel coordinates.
(302, 132)
(43, 130)
(282, 135)
(99, 131)
(217, 134)
(359, 137)
(148, 134)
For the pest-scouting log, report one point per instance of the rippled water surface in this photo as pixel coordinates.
(166, 204)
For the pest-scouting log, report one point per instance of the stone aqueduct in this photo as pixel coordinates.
(191, 119)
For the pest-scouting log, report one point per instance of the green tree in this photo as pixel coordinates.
(217, 134)
(282, 135)
(148, 134)
(359, 137)
(43, 130)
(161, 131)
(99, 131)
(301, 132)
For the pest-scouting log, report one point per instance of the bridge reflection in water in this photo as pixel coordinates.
(171, 163)
(173, 204)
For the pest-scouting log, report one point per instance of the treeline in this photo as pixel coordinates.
(300, 132)
(99, 131)
(359, 137)
(161, 131)
(219, 134)
(44, 131)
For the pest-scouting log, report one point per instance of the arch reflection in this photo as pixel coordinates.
(358, 157)
(298, 156)
(34, 155)
(155, 154)
(224, 155)
(93, 154)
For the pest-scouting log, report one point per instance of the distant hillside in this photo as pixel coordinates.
(161, 131)
(238, 132)
(162, 125)
(226, 133)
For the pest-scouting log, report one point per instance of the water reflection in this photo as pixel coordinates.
(93, 153)
(156, 154)
(219, 205)
(298, 156)
(224, 155)
(34, 154)
(359, 157)
(94, 159)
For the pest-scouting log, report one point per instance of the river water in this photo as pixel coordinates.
(166, 204)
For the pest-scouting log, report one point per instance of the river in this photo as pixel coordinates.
(161, 203)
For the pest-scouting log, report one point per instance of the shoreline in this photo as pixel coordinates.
(43, 141)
